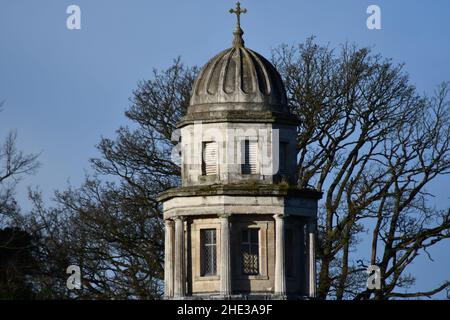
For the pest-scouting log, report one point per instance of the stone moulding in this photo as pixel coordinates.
(237, 116)
(240, 190)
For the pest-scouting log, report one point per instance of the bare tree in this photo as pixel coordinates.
(366, 138)
(372, 144)
(112, 226)
(16, 258)
(14, 164)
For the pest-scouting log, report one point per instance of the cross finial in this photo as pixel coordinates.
(238, 11)
(238, 41)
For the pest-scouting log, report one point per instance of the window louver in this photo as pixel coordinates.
(283, 157)
(249, 152)
(209, 158)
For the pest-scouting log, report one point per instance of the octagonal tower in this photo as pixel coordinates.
(239, 227)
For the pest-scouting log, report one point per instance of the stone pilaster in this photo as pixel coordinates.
(179, 267)
(168, 259)
(225, 267)
(312, 258)
(280, 272)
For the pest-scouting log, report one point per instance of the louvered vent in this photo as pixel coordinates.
(249, 152)
(209, 158)
(283, 157)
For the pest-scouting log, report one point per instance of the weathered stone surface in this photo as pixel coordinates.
(236, 205)
(242, 189)
(239, 75)
(229, 137)
(239, 96)
(216, 115)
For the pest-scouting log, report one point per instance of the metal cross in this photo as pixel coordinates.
(238, 11)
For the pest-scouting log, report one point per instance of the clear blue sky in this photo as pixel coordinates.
(63, 89)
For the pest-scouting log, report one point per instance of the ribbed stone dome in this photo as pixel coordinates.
(239, 75)
(238, 85)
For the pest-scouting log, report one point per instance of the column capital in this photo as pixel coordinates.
(169, 221)
(175, 218)
(279, 216)
(312, 225)
(224, 216)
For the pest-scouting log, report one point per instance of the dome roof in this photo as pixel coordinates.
(239, 75)
(238, 85)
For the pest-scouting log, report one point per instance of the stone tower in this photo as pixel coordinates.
(239, 227)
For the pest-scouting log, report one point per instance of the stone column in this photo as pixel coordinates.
(303, 268)
(312, 258)
(179, 281)
(168, 259)
(225, 266)
(280, 273)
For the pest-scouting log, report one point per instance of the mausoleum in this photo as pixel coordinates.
(238, 227)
